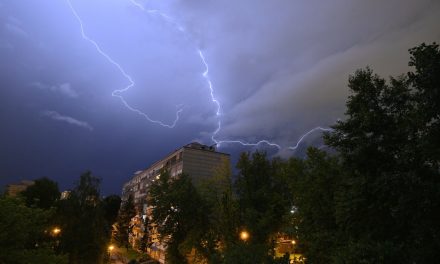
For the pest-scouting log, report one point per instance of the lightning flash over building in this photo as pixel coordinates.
(131, 83)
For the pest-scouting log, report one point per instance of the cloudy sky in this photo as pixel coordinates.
(74, 98)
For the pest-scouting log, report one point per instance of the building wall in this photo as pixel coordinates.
(201, 164)
(196, 160)
(15, 189)
(138, 186)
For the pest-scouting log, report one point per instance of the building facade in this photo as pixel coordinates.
(16, 188)
(196, 160)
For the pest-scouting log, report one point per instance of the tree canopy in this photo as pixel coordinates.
(24, 234)
(178, 212)
(123, 221)
(389, 145)
(81, 217)
(43, 193)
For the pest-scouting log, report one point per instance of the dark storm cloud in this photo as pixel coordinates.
(279, 68)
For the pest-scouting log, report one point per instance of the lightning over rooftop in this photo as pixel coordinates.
(205, 74)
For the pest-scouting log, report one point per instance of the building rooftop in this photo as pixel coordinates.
(192, 145)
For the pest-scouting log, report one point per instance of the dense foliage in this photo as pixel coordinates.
(123, 222)
(85, 231)
(42, 194)
(179, 215)
(208, 217)
(387, 199)
(25, 234)
(38, 227)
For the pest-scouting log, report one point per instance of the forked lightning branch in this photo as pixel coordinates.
(119, 93)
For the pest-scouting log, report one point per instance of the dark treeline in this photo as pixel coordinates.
(39, 227)
(377, 200)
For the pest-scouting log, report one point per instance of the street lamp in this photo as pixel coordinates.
(56, 231)
(110, 248)
(293, 250)
(244, 235)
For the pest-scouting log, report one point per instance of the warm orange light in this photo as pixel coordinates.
(293, 242)
(111, 247)
(56, 231)
(244, 235)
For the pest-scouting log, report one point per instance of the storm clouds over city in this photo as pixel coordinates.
(98, 85)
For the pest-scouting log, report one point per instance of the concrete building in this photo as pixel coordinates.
(16, 188)
(65, 195)
(196, 160)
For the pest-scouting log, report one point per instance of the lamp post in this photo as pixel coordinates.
(293, 250)
(244, 235)
(110, 249)
(56, 231)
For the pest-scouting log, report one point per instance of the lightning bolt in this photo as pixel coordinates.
(217, 103)
(117, 93)
(308, 133)
(205, 75)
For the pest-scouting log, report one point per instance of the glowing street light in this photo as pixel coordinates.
(110, 248)
(293, 250)
(244, 235)
(56, 231)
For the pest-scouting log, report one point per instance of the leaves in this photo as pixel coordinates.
(261, 201)
(387, 196)
(178, 212)
(43, 193)
(24, 234)
(85, 231)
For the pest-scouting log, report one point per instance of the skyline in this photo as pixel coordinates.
(275, 81)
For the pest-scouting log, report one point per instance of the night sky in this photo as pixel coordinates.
(278, 69)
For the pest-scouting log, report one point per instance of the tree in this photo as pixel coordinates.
(180, 216)
(111, 205)
(43, 193)
(313, 184)
(85, 232)
(123, 222)
(262, 205)
(24, 237)
(144, 240)
(222, 213)
(387, 201)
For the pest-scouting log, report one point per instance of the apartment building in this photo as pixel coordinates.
(197, 160)
(16, 188)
